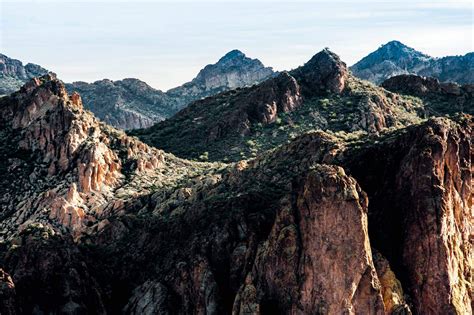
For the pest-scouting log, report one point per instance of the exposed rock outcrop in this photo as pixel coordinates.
(440, 98)
(232, 71)
(323, 73)
(61, 141)
(421, 210)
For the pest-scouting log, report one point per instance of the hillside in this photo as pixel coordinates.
(395, 58)
(439, 98)
(321, 94)
(95, 221)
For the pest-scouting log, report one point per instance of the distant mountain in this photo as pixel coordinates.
(233, 70)
(13, 74)
(321, 94)
(395, 58)
(131, 103)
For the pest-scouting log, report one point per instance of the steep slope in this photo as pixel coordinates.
(13, 74)
(420, 214)
(132, 104)
(395, 58)
(59, 156)
(106, 224)
(318, 95)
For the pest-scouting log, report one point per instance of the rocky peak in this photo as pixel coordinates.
(324, 72)
(232, 56)
(233, 70)
(396, 49)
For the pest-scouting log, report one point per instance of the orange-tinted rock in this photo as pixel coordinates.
(309, 263)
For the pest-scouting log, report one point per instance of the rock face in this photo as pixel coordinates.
(48, 134)
(395, 58)
(132, 104)
(13, 74)
(318, 95)
(325, 72)
(421, 211)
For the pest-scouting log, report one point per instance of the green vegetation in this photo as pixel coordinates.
(207, 131)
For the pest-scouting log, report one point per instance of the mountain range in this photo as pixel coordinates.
(131, 103)
(341, 198)
(395, 58)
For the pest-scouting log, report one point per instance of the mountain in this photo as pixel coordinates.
(131, 103)
(232, 71)
(395, 58)
(321, 94)
(94, 221)
(13, 74)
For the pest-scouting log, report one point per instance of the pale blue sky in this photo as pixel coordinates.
(167, 43)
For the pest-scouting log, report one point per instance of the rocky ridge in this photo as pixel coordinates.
(440, 98)
(395, 58)
(321, 94)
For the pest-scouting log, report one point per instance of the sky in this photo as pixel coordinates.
(166, 43)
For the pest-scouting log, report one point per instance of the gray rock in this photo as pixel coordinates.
(395, 58)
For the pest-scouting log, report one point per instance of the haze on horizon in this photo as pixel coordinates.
(166, 43)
